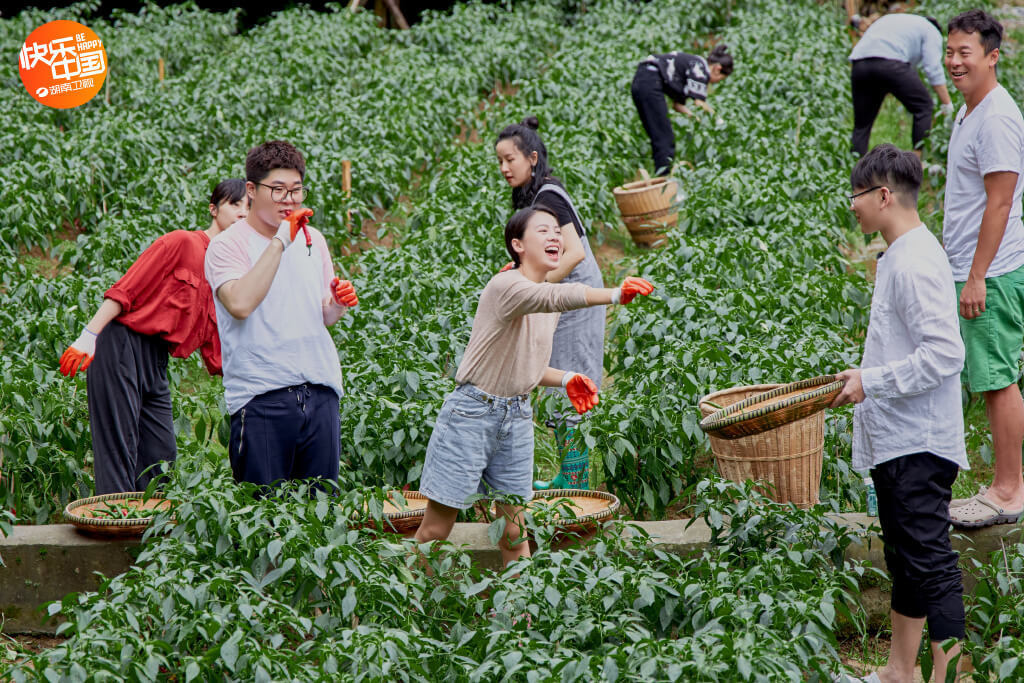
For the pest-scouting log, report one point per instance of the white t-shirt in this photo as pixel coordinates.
(284, 341)
(990, 140)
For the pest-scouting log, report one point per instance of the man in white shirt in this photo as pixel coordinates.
(984, 240)
(276, 294)
(908, 424)
(885, 61)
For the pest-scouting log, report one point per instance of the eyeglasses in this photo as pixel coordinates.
(851, 197)
(279, 192)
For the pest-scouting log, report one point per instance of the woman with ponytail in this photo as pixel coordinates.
(579, 337)
(680, 76)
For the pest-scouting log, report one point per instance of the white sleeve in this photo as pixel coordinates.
(922, 302)
(1000, 145)
(932, 58)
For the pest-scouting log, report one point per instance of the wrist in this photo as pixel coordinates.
(617, 295)
(86, 329)
(566, 377)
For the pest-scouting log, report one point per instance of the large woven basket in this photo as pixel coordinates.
(403, 519)
(787, 458)
(770, 409)
(648, 208)
(80, 514)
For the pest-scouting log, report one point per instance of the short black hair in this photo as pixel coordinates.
(895, 168)
(935, 22)
(990, 31)
(262, 159)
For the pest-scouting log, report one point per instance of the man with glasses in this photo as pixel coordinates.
(984, 240)
(908, 426)
(282, 378)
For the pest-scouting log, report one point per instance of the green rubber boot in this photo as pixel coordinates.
(575, 470)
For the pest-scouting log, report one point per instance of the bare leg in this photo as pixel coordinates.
(906, 639)
(940, 660)
(438, 521)
(1005, 409)
(511, 550)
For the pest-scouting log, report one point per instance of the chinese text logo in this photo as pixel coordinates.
(63, 64)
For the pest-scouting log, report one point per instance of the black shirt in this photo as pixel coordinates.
(554, 201)
(682, 75)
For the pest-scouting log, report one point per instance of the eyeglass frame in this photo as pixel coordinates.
(851, 197)
(305, 189)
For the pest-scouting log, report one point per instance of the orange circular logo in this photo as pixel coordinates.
(63, 64)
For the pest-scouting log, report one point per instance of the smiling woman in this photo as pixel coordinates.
(483, 437)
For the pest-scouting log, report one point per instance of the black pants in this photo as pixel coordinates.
(913, 510)
(129, 409)
(870, 81)
(288, 433)
(650, 104)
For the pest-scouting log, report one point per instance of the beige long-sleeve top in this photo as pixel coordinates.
(510, 345)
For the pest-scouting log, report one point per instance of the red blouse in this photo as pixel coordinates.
(165, 294)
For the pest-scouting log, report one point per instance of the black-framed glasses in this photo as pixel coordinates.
(279, 192)
(851, 197)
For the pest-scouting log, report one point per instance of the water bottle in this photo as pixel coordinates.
(872, 498)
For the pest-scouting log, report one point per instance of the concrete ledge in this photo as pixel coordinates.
(45, 563)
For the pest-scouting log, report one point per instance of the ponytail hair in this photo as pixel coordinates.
(720, 55)
(231, 190)
(528, 141)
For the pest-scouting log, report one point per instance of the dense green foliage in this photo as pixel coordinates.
(751, 289)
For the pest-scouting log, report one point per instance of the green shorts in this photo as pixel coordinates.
(995, 338)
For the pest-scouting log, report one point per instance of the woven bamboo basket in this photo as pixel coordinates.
(787, 458)
(403, 519)
(647, 208)
(80, 513)
(590, 507)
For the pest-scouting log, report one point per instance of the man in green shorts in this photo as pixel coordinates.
(984, 240)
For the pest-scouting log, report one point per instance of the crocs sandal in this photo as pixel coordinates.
(846, 678)
(957, 502)
(980, 512)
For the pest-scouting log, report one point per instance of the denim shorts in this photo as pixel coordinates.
(480, 442)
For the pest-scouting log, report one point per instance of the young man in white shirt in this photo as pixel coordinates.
(908, 422)
(984, 240)
(276, 294)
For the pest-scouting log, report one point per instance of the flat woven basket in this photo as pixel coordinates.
(80, 514)
(774, 408)
(591, 508)
(403, 519)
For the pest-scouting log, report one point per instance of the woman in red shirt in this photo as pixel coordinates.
(162, 306)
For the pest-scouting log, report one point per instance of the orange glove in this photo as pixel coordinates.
(344, 292)
(298, 219)
(507, 266)
(632, 286)
(79, 355)
(581, 390)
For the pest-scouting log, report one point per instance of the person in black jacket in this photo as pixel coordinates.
(680, 76)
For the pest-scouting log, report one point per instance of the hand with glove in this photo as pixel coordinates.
(508, 266)
(344, 293)
(291, 225)
(946, 109)
(581, 391)
(79, 355)
(631, 286)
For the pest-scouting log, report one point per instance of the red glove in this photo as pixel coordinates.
(507, 266)
(79, 355)
(344, 292)
(298, 219)
(582, 392)
(632, 286)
